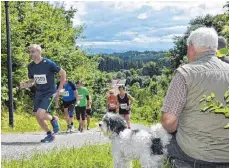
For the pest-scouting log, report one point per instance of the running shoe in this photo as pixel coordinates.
(48, 138)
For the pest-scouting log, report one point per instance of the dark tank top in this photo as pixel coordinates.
(123, 104)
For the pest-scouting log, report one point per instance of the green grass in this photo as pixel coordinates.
(97, 156)
(25, 122)
(144, 122)
(136, 119)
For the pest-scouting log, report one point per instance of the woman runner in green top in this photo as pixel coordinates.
(82, 104)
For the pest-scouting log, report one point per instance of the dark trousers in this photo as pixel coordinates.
(178, 159)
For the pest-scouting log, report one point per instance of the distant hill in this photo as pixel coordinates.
(145, 56)
(130, 59)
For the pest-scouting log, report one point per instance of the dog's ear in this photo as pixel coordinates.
(117, 124)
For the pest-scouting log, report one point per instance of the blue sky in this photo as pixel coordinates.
(136, 25)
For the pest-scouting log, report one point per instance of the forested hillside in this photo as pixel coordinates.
(130, 59)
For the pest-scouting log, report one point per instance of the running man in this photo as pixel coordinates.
(69, 97)
(41, 72)
(82, 104)
(89, 113)
(112, 102)
(125, 102)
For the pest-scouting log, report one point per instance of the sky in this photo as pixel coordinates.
(119, 26)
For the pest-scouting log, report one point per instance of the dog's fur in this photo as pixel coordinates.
(127, 145)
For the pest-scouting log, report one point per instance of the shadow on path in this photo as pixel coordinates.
(20, 143)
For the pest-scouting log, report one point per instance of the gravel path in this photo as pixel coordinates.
(17, 146)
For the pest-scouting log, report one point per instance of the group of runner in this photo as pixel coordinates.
(120, 103)
(41, 74)
(75, 97)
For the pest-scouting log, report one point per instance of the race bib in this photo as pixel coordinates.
(40, 79)
(123, 106)
(80, 97)
(112, 105)
(66, 93)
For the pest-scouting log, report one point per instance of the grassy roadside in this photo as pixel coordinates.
(25, 122)
(133, 120)
(97, 156)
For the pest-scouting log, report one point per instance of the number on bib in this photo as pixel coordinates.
(112, 105)
(80, 97)
(123, 106)
(66, 93)
(40, 79)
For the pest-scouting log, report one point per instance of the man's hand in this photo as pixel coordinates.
(27, 84)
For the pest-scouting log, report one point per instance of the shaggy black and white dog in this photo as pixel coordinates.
(128, 145)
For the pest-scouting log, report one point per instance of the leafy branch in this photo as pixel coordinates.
(216, 106)
(223, 52)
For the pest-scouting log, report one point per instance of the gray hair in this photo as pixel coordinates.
(222, 43)
(204, 37)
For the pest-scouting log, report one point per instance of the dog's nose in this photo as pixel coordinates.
(100, 125)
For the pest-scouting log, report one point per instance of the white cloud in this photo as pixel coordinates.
(127, 33)
(140, 39)
(191, 8)
(81, 11)
(175, 28)
(202, 8)
(77, 21)
(146, 39)
(129, 5)
(102, 43)
(173, 5)
(184, 5)
(142, 16)
(183, 27)
(142, 34)
(152, 30)
(171, 36)
(79, 5)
